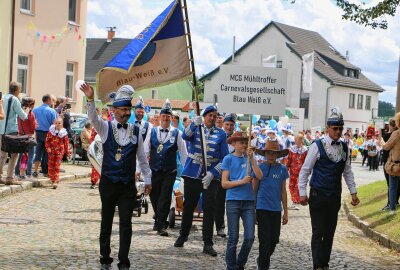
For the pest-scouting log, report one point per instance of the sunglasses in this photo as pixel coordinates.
(337, 128)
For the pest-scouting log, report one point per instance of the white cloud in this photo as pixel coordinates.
(214, 22)
(95, 8)
(389, 95)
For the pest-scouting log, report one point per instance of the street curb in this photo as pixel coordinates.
(364, 226)
(28, 185)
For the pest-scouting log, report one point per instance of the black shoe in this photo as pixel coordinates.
(162, 232)
(35, 174)
(239, 267)
(46, 175)
(106, 266)
(93, 186)
(155, 228)
(123, 267)
(221, 233)
(180, 241)
(209, 250)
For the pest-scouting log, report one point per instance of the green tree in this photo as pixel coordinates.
(373, 16)
(385, 109)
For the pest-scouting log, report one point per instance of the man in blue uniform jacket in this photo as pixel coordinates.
(195, 181)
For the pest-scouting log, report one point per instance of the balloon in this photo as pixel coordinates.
(191, 114)
(254, 118)
(272, 123)
(145, 117)
(78, 85)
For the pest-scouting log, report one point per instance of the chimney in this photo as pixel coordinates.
(347, 56)
(111, 33)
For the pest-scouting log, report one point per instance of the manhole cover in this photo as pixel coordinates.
(16, 221)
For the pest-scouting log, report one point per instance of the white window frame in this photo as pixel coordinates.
(352, 104)
(76, 12)
(24, 85)
(366, 102)
(360, 105)
(70, 74)
(24, 10)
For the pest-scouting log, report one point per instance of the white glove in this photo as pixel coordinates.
(197, 120)
(207, 180)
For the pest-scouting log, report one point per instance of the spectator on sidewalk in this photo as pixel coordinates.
(393, 146)
(63, 111)
(9, 126)
(27, 127)
(85, 139)
(45, 116)
(386, 133)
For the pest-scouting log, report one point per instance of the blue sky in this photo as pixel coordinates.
(214, 23)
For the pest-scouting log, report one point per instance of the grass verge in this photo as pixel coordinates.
(373, 197)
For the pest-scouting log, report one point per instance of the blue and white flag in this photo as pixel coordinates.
(158, 55)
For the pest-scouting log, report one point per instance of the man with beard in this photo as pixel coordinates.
(122, 144)
(162, 146)
(228, 126)
(195, 181)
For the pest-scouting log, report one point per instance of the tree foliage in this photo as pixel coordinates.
(385, 109)
(374, 16)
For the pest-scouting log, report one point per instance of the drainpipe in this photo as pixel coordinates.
(327, 101)
(12, 40)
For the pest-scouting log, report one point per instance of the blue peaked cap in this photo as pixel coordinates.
(211, 108)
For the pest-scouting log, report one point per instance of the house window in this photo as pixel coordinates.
(23, 72)
(346, 72)
(72, 10)
(360, 102)
(26, 5)
(352, 99)
(278, 64)
(368, 102)
(154, 94)
(304, 103)
(69, 80)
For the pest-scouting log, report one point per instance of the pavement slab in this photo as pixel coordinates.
(58, 229)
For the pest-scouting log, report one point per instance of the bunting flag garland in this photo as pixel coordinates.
(54, 37)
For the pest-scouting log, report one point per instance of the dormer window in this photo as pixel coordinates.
(352, 73)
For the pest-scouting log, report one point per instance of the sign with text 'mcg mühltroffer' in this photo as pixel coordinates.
(252, 90)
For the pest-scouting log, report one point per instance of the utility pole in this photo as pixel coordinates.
(398, 90)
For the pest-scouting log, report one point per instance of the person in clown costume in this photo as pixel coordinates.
(294, 162)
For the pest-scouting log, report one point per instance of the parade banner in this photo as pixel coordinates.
(296, 118)
(252, 90)
(158, 55)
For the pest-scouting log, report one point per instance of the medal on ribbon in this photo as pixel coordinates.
(160, 148)
(118, 155)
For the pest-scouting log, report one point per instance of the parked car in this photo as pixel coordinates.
(78, 122)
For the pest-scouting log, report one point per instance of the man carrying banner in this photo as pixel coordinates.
(228, 126)
(195, 182)
(162, 145)
(328, 159)
(122, 143)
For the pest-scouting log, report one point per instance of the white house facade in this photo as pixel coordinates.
(335, 81)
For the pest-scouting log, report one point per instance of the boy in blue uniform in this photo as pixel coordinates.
(239, 199)
(271, 197)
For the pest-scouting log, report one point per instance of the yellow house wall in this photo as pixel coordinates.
(5, 43)
(48, 59)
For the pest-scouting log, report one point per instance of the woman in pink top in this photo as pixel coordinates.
(26, 127)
